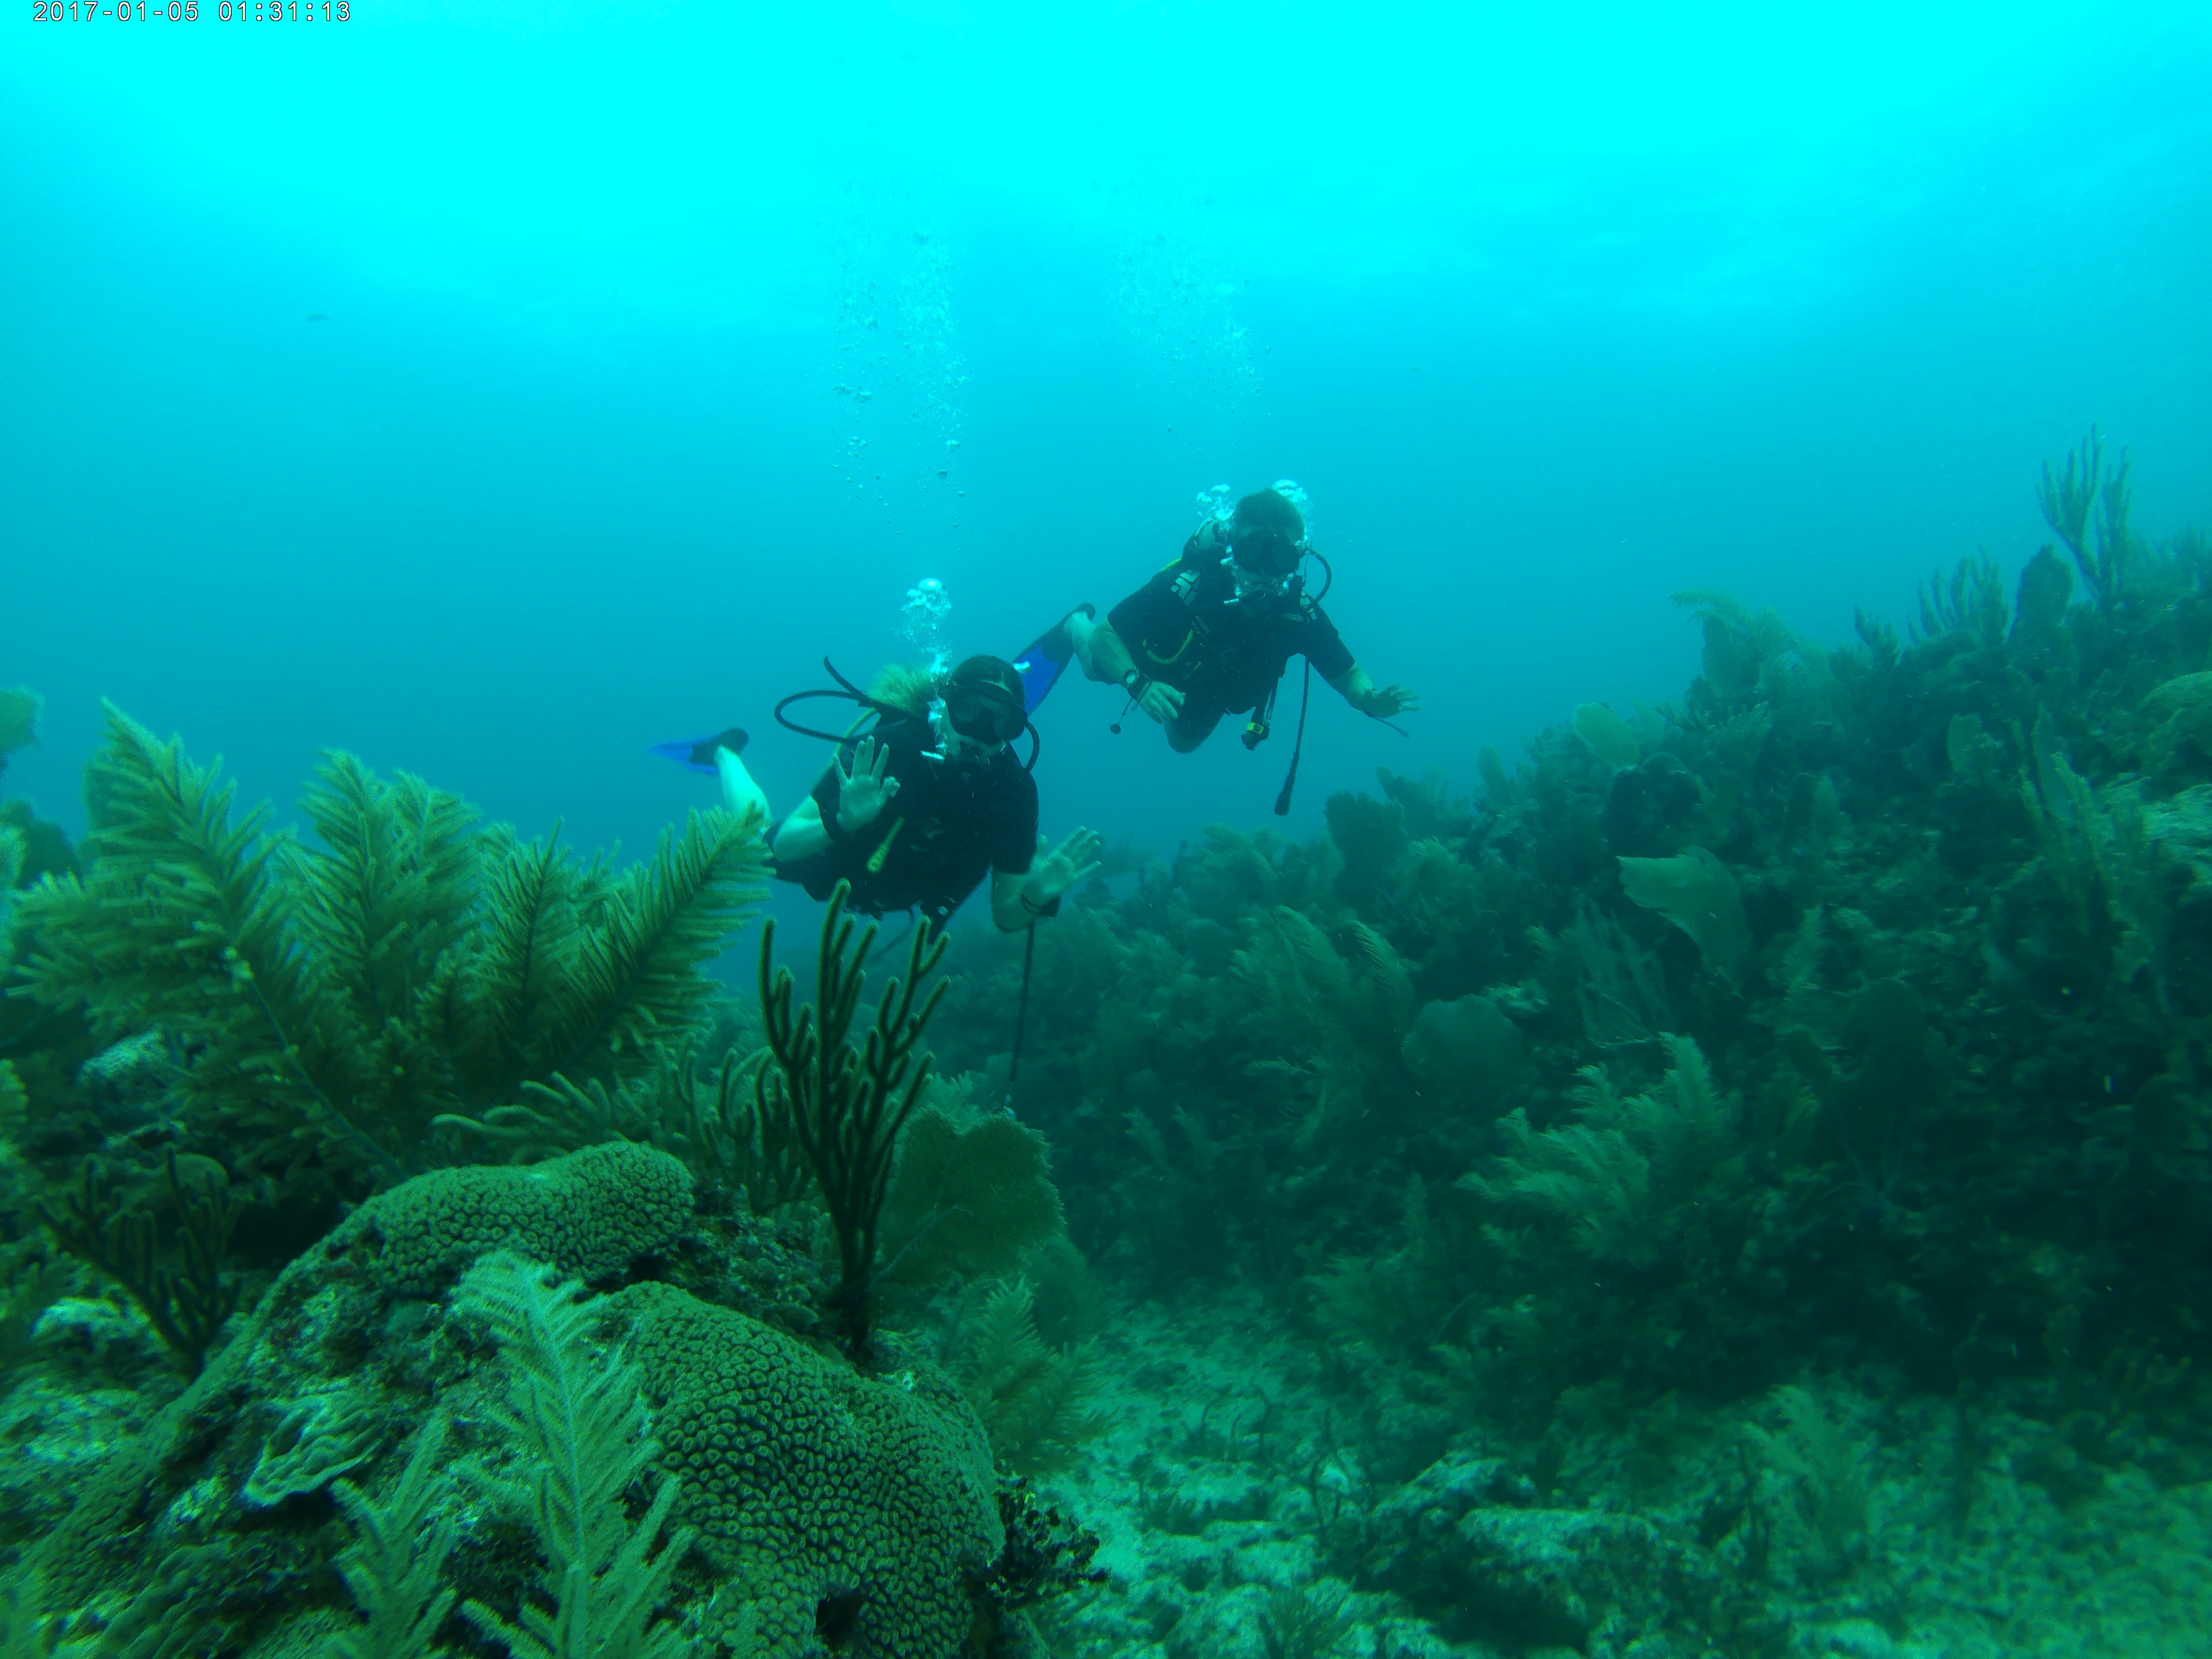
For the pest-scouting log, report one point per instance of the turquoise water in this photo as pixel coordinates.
(1552, 320)
(493, 394)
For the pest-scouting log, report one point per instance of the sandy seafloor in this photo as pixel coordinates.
(1217, 1435)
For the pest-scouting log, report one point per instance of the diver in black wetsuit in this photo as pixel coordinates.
(1210, 635)
(914, 813)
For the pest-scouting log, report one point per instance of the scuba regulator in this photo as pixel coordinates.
(1270, 563)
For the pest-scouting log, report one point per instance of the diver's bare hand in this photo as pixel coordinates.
(865, 789)
(1160, 700)
(1068, 866)
(1385, 700)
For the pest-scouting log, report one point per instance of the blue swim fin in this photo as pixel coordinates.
(1040, 666)
(697, 754)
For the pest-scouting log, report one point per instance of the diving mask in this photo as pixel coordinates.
(984, 714)
(1265, 552)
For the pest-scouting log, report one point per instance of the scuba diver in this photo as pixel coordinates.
(914, 811)
(1212, 633)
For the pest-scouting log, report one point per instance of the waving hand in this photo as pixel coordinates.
(865, 788)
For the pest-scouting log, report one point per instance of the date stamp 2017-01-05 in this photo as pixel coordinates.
(191, 11)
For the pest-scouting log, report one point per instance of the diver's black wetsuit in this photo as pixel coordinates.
(1188, 628)
(949, 826)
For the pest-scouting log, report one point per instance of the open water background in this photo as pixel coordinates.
(481, 389)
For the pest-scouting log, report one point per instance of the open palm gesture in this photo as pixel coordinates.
(1385, 700)
(865, 787)
(1074, 861)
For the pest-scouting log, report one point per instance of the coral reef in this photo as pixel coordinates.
(187, 1306)
(1696, 892)
(848, 1103)
(1914, 890)
(1461, 1544)
(631, 1441)
(1034, 1399)
(19, 708)
(1735, 1182)
(1608, 735)
(817, 1493)
(30, 848)
(337, 1001)
(972, 1196)
(1829, 1045)
(591, 1214)
(821, 1496)
(575, 1424)
(391, 1568)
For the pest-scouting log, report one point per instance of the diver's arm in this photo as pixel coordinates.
(1152, 610)
(1110, 661)
(1357, 687)
(802, 836)
(1006, 901)
(1104, 657)
(1019, 898)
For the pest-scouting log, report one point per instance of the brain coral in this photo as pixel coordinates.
(851, 1505)
(591, 1213)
